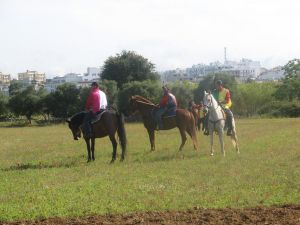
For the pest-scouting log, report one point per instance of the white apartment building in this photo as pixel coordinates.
(93, 73)
(4, 83)
(52, 84)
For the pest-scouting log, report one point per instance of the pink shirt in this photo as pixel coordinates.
(93, 101)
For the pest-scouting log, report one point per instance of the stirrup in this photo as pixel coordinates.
(229, 132)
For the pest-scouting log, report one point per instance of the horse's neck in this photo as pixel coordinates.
(216, 110)
(78, 118)
(144, 108)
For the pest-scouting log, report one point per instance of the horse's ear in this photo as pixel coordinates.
(205, 93)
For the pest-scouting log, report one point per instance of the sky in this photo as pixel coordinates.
(62, 36)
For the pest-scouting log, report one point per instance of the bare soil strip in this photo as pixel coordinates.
(283, 215)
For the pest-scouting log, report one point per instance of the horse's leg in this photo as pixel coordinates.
(192, 132)
(211, 133)
(183, 137)
(114, 144)
(152, 139)
(88, 147)
(221, 137)
(93, 148)
(234, 140)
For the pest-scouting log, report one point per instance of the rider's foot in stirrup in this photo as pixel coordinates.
(229, 132)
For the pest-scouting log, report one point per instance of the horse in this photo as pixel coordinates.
(109, 123)
(196, 111)
(183, 119)
(216, 122)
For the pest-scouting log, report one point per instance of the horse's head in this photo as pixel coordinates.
(74, 125)
(133, 105)
(207, 101)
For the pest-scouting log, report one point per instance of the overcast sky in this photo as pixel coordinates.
(61, 36)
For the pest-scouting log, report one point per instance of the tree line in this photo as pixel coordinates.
(128, 74)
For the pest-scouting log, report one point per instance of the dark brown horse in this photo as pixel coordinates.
(110, 123)
(184, 120)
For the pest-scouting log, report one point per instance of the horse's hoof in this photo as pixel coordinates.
(211, 154)
(88, 161)
(112, 161)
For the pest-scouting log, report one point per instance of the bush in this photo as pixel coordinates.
(281, 109)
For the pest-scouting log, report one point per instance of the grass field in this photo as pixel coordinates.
(43, 172)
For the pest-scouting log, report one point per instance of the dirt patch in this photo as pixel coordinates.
(283, 215)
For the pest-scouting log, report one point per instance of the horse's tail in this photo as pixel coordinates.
(191, 129)
(121, 133)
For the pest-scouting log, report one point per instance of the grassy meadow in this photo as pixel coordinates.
(43, 171)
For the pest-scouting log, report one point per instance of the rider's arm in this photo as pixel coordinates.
(228, 100)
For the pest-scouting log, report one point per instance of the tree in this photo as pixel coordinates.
(25, 103)
(184, 92)
(3, 104)
(208, 83)
(128, 66)
(15, 87)
(64, 102)
(290, 86)
(250, 98)
(111, 89)
(148, 89)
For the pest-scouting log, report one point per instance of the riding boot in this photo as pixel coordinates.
(229, 126)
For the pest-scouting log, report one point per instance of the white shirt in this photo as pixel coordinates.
(103, 100)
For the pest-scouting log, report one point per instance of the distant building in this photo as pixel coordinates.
(52, 84)
(274, 74)
(32, 78)
(93, 73)
(4, 83)
(243, 70)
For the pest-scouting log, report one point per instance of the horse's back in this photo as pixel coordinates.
(106, 125)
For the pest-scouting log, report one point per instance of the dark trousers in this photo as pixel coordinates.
(158, 116)
(87, 127)
(229, 117)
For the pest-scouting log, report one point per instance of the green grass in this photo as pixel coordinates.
(43, 172)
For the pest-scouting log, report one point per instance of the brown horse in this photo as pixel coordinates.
(184, 120)
(110, 123)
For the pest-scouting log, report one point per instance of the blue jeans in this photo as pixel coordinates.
(158, 116)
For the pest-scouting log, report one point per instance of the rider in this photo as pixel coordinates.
(222, 95)
(95, 104)
(167, 103)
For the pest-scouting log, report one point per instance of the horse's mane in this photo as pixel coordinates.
(78, 118)
(142, 99)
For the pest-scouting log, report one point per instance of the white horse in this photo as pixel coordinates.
(216, 122)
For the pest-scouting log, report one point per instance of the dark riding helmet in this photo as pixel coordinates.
(219, 82)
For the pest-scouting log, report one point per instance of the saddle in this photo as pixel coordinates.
(98, 116)
(169, 113)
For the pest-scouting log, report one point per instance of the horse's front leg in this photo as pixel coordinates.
(88, 147)
(93, 148)
(211, 133)
(221, 138)
(152, 139)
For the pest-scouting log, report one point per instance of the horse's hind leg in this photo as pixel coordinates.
(152, 139)
(234, 142)
(192, 133)
(114, 144)
(183, 138)
(93, 148)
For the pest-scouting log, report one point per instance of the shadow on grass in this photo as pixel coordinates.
(150, 157)
(40, 165)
